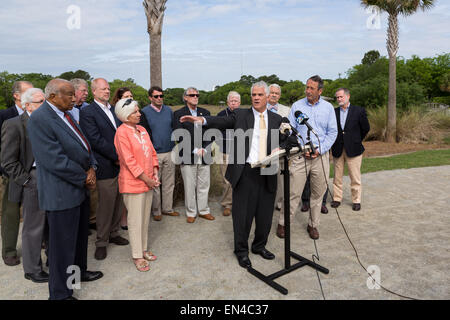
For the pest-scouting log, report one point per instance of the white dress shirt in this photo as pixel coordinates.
(107, 111)
(254, 149)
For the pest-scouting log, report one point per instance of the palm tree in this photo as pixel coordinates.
(154, 10)
(394, 8)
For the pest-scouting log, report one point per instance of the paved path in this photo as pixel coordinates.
(403, 228)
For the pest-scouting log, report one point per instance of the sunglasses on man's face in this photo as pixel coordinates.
(192, 95)
(158, 96)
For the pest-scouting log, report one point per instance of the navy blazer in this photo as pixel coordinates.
(61, 158)
(355, 130)
(100, 132)
(190, 128)
(6, 114)
(244, 119)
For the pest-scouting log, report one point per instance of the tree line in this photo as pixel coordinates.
(418, 81)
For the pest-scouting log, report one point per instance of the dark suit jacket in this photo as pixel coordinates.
(190, 128)
(16, 156)
(244, 119)
(100, 132)
(355, 130)
(6, 114)
(62, 160)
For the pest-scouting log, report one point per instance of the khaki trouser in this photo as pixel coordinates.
(138, 206)
(354, 171)
(166, 175)
(318, 185)
(227, 197)
(196, 188)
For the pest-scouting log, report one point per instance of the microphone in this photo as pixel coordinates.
(286, 131)
(302, 119)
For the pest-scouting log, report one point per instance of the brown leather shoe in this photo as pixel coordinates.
(157, 218)
(305, 207)
(172, 214)
(356, 206)
(280, 231)
(313, 232)
(226, 212)
(207, 216)
(190, 219)
(11, 261)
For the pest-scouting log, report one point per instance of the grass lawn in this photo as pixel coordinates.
(425, 158)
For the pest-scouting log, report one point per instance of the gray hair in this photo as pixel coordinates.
(17, 86)
(260, 84)
(77, 82)
(275, 86)
(346, 91)
(53, 86)
(123, 112)
(233, 94)
(189, 89)
(94, 83)
(27, 96)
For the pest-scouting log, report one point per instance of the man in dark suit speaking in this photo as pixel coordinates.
(353, 126)
(65, 170)
(253, 190)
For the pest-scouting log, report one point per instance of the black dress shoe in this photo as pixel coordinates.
(40, 277)
(70, 298)
(91, 276)
(335, 204)
(266, 254)
(324, 209)
(100, 253)
(119, 241)
(92, 226)
(244, 262)
(124, 227)
(356, 206)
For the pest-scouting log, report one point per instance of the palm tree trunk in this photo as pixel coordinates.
(392, 48)
(155, 60)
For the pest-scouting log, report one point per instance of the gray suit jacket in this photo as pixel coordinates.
(62, 160)
(16, 155)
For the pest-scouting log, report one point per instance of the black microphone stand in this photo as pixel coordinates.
(287, 240)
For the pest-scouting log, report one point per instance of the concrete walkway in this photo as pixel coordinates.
(403, 228)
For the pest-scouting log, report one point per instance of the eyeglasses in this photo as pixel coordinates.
(129, 101)
(158, 96)
(192, 95)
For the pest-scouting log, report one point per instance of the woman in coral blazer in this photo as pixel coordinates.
(137, 178)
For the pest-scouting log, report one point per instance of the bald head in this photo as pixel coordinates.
(100, 90)
(60, 93)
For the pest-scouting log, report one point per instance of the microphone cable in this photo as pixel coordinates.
(351, 243)
(314, 256)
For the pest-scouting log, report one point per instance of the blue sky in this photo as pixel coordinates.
(208, 43)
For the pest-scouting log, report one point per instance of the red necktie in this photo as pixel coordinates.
(76, 129)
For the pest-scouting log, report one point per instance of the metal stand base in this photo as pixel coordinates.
(287, 242)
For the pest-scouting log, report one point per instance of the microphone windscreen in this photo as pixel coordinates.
(285, 120)
(297, 113)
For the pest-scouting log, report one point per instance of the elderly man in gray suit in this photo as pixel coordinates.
(65, 171)
(18, 162)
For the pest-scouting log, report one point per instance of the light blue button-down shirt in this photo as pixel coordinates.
(343, 115)
(19, 110)
(321, 118)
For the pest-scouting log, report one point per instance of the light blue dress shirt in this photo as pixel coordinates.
(321, 118)
(343, 115)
